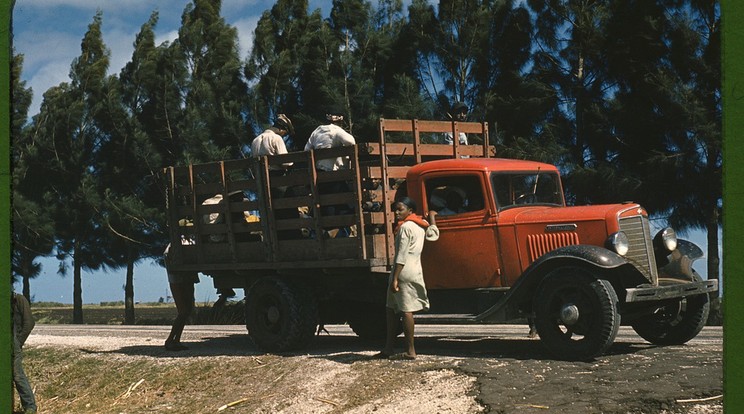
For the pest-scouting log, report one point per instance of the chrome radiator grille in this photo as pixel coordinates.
(641, 252)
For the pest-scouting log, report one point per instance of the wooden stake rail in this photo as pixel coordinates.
(275, 214)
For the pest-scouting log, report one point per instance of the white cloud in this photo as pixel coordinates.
(105, 5)
(246, 32)
(46, 61)
(233, 8)
(49, 32)
(169, 37)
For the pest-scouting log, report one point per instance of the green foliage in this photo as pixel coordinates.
(286, 76)
(33, 229)
(623, 95)
(214, 89)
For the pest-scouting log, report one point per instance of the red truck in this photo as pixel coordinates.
(509, 250)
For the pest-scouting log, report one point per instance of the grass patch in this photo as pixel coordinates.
(145, 314)
(75, 381)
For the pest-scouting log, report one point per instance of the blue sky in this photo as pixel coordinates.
(49, 32)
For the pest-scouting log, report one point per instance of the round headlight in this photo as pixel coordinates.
(666, 239)
(618, 242)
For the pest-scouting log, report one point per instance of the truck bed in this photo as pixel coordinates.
(273, 220)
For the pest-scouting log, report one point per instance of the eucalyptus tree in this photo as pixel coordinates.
(152, 85)
(696, 52)
(452, 41)
(570, 59)
(33, 230)
(504, 88)
(402, 92)
(69, 139)
(214, 92)
(639, 100)
(359, 68)
(668, 111)
(389, 23)
(130, 164)
(287, 64)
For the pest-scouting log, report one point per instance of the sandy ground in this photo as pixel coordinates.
(498, 371)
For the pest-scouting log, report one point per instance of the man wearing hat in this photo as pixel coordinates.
(271, 141)
(459, 113)
(331, 135)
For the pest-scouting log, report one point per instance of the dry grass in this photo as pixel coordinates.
(145, 314)
(69, 380)
(73, 381)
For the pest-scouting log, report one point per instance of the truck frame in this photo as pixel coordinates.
(313, 247)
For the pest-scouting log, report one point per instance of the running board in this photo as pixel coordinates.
(446, 319)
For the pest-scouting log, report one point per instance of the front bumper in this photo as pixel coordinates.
(677, 290)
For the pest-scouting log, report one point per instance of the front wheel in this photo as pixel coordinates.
(576, 314)
(676, 322)
(281, 315)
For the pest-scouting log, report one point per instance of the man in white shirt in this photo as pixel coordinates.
(271, 141)
(330, 136)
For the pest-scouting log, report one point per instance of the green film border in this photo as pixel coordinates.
(732, 92)
(732, 12)
(6, 371)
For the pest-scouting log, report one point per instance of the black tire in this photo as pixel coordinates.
(369, 322)
(575, 314)
(676, 322)
(280, 315)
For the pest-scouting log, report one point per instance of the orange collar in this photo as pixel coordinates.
(414, 218)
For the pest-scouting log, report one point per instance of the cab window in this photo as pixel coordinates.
(515, 189)
(453, 195)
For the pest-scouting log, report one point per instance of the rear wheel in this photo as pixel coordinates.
(575, 314)
(676, 322)
(281, 315)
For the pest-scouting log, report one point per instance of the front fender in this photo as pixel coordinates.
(579, 254)
(679, 262)
(523, 289)
(589, 254)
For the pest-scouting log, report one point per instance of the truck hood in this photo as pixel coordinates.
(531, 215)
(539, 229)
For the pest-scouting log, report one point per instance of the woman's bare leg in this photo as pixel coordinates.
(408, 327)
(392, 331)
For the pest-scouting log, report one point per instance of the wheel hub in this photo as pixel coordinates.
(569, 314)
(272, 314)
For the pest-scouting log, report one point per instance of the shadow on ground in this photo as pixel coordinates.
(349, 349)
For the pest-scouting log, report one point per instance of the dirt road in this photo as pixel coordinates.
(462, 369)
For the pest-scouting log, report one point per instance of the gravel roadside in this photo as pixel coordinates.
(499, 371)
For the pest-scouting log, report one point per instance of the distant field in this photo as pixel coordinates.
(144, 314)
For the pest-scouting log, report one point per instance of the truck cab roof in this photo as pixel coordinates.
(480, 164)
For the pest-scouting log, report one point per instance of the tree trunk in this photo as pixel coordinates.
(716, 317)
(580, 95)
(27, 287)
(77, 290)
(129, 288)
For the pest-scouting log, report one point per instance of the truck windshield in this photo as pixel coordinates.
(516, 189)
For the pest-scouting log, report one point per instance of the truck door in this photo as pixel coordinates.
(466, 254)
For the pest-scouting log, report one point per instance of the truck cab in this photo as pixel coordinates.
(510, 247)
